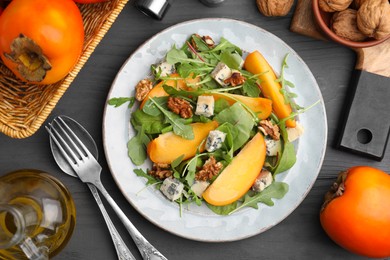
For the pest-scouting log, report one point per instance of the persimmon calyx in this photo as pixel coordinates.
(336, 190)
(32, 64)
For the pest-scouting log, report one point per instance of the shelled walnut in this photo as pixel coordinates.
(344, 25)
(143, 88)
(274, 7)
(334, 5)
(373, 18)
(180, 107)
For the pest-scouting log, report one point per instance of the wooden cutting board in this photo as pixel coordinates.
(366, 124)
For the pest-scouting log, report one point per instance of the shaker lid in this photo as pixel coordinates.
(153, 8)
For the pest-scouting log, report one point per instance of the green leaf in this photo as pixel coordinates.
(240, 119)
(151, 109)
(231, 134)
(151, 179)
(183, 130)
(136, 147)
(175, 56)
(150, 124)
(116, 102)
(200, 43)
(287, 159)
(250, 88)
(177, 161)
(220, 104)
(187, 69)
(223, 210)
(232, 59)
(179, 127)
(183, 93)
(276, 190)
(225, 44)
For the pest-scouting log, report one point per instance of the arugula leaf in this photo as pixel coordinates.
(199, 42)
(175, 56)
(150, 124)
(177, 161)
(288, 96)
(151, 179)
(187, 69)
(232, 59)
(151, 109)
(136, 147)
(240, 119)
(287, 159)
(276, 190)
(225, 44)
(116, 102)
(179, 127)
(223, 210)
(183, 93)
(228, 144)
(250, 88)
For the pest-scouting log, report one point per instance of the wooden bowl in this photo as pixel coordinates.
(323, 21)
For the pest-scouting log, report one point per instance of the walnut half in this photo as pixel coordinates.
(274, 7)
(210, 169)
(180, 107)
(142, 89)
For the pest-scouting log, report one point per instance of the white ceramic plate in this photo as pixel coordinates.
(199, 223)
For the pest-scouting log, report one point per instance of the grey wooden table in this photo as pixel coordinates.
(299, 236)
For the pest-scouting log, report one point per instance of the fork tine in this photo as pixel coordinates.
(75, 137)
(79, 154)
(71, 158)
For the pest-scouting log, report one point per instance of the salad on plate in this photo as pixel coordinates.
(217, 124)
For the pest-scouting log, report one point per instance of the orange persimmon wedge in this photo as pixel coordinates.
(257, 64)
(168, 146)
(158, 90)
(259, 105)
(237, 178)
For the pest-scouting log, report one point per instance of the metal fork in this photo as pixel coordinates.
(88, 170)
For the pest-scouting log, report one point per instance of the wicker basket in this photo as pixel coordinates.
(25, 107)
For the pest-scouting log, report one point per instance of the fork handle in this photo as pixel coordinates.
(147, 250)
(122, 250)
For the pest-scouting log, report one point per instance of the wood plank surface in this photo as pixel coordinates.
(299, 236)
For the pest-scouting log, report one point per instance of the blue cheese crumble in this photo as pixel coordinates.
(214, 140)
(205, 106)
(165, 69)
(220, 73)
(172, 188)
(273, 147)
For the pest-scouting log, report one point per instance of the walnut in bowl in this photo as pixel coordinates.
(342, 27)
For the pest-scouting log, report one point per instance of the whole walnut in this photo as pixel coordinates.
(357, 3)
(373, 18)
(344, 25)
(274, 7)
(334, 5)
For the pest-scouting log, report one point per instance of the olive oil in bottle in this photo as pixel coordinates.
(37, 215)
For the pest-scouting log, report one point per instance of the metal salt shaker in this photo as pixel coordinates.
(153, 8)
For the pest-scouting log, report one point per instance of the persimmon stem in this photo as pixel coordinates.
(337, 189)
(32, 63)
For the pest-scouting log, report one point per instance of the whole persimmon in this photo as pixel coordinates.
(356, 211)
(41, 40)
